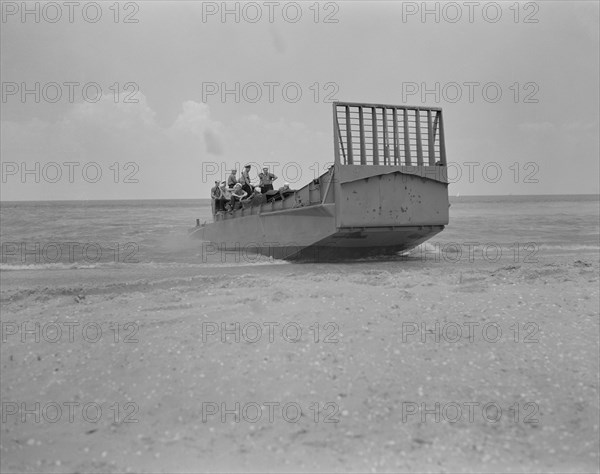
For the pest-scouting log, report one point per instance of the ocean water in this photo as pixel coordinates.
(93, 234)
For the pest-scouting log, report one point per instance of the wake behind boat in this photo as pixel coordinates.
(386, 192)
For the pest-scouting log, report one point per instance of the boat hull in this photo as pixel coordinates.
(345, 245)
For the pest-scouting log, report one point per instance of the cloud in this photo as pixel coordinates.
(195, 128)
(171, 160)
(537, 127)
(578, 125)
(105, 133)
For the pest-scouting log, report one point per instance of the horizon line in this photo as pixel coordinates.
(208, 199)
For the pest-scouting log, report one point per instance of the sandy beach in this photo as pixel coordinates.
(448, 150)
(366, 367)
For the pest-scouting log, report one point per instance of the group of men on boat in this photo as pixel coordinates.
(234, 193)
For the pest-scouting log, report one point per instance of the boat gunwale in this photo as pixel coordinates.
(387, 106)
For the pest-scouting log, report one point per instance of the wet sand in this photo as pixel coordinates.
(367, 385)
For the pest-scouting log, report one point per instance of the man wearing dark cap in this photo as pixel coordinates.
(215, 194)
(245, 180)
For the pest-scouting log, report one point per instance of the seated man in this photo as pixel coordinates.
(236, 196)
(231, 179)
(255, 199)
(280, 194)
(259, 197)
(225, 196)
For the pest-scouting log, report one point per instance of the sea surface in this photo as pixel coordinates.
(96, 234)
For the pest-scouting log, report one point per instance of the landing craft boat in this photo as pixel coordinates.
(386, 192)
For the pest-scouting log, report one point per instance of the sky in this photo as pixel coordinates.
(157, 100)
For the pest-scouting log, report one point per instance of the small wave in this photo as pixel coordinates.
(427, 247)
(595, 248)
(8, 267)
(458, 247)
(242, 264)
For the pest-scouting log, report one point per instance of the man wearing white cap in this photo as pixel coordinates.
(266, 180)
(231, 179)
